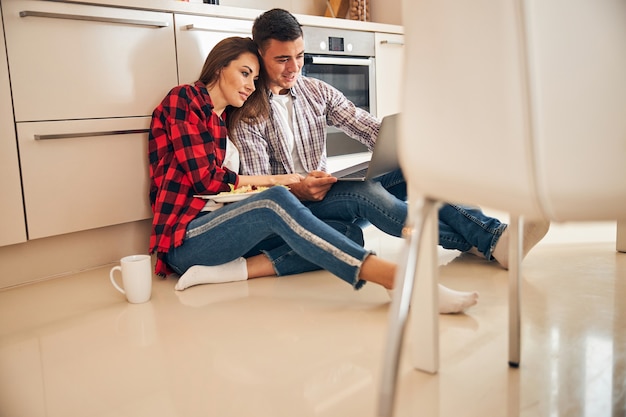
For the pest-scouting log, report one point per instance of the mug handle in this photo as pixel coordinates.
(111, 275)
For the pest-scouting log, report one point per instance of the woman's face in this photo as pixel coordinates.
(236, 81)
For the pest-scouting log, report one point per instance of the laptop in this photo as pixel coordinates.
(384, 156)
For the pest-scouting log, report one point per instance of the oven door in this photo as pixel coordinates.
(355, 78)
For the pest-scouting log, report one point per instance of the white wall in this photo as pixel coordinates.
(386, 11)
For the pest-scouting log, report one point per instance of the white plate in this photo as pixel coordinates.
(228, 197)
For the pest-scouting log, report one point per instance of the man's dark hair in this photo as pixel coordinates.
(276, 24)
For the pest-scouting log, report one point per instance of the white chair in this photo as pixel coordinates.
(514, 105)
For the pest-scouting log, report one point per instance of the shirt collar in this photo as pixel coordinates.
(200, 86)
(292, 91)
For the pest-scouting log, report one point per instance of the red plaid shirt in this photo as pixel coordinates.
(186, 145)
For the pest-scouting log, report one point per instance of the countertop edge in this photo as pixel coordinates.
(228, 12)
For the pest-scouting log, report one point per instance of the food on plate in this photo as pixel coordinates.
(244, 189)
(233, 194)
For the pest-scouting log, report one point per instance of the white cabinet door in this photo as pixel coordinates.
(389, 72)
(197, 35)
(12, 226)
(84, 174)
(73, 61)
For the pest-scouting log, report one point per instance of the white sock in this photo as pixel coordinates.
(201, 274)
(533, 233)
(451, 301)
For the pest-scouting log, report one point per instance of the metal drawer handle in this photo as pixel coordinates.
(194, 27)
(388, 42)
(90, 134)
(150, 23)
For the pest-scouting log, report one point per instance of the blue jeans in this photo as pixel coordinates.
(235, 229)
(382, 202)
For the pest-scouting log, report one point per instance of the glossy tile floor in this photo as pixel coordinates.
(309, 345)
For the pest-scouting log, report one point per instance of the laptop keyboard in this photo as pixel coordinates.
(357, 174)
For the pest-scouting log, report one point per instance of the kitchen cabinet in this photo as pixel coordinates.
(85, 80)
(73, 61)
(11, 208)
(84, 174)
(197, 35)
(389, 49)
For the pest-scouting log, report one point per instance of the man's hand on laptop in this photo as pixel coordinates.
(313, 187)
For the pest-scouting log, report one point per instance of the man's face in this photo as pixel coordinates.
(283, 62)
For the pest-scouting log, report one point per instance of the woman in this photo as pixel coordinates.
(188, 147)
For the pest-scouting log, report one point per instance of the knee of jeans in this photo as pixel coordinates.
(375, 191)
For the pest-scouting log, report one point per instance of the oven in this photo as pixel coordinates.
(345, 59)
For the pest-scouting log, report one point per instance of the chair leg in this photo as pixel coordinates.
(424, 315)
(419, 213)
(620, 244)
(516, 236)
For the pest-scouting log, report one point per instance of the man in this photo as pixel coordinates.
(293, 140)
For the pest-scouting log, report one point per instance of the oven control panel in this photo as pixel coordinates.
(336, 44)
(329, 41)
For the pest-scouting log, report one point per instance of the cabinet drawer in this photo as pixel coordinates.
(84, 174)
(72, 61)
(197, 35)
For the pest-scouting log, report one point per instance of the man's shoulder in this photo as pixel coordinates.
(310, 82)
(313, 87)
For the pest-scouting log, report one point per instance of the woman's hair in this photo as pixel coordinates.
(276, 24)
(222, 54)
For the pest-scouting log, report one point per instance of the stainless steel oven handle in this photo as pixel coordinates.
(328, 60)
(150, 23)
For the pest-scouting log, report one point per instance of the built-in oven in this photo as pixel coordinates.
(345, 59)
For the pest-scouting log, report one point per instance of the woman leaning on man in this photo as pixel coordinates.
(190, 154)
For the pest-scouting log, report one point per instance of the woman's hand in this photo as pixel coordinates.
(269, 180)
(313, 187)
(286, 179)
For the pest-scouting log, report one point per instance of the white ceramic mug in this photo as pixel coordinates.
(136, 278)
